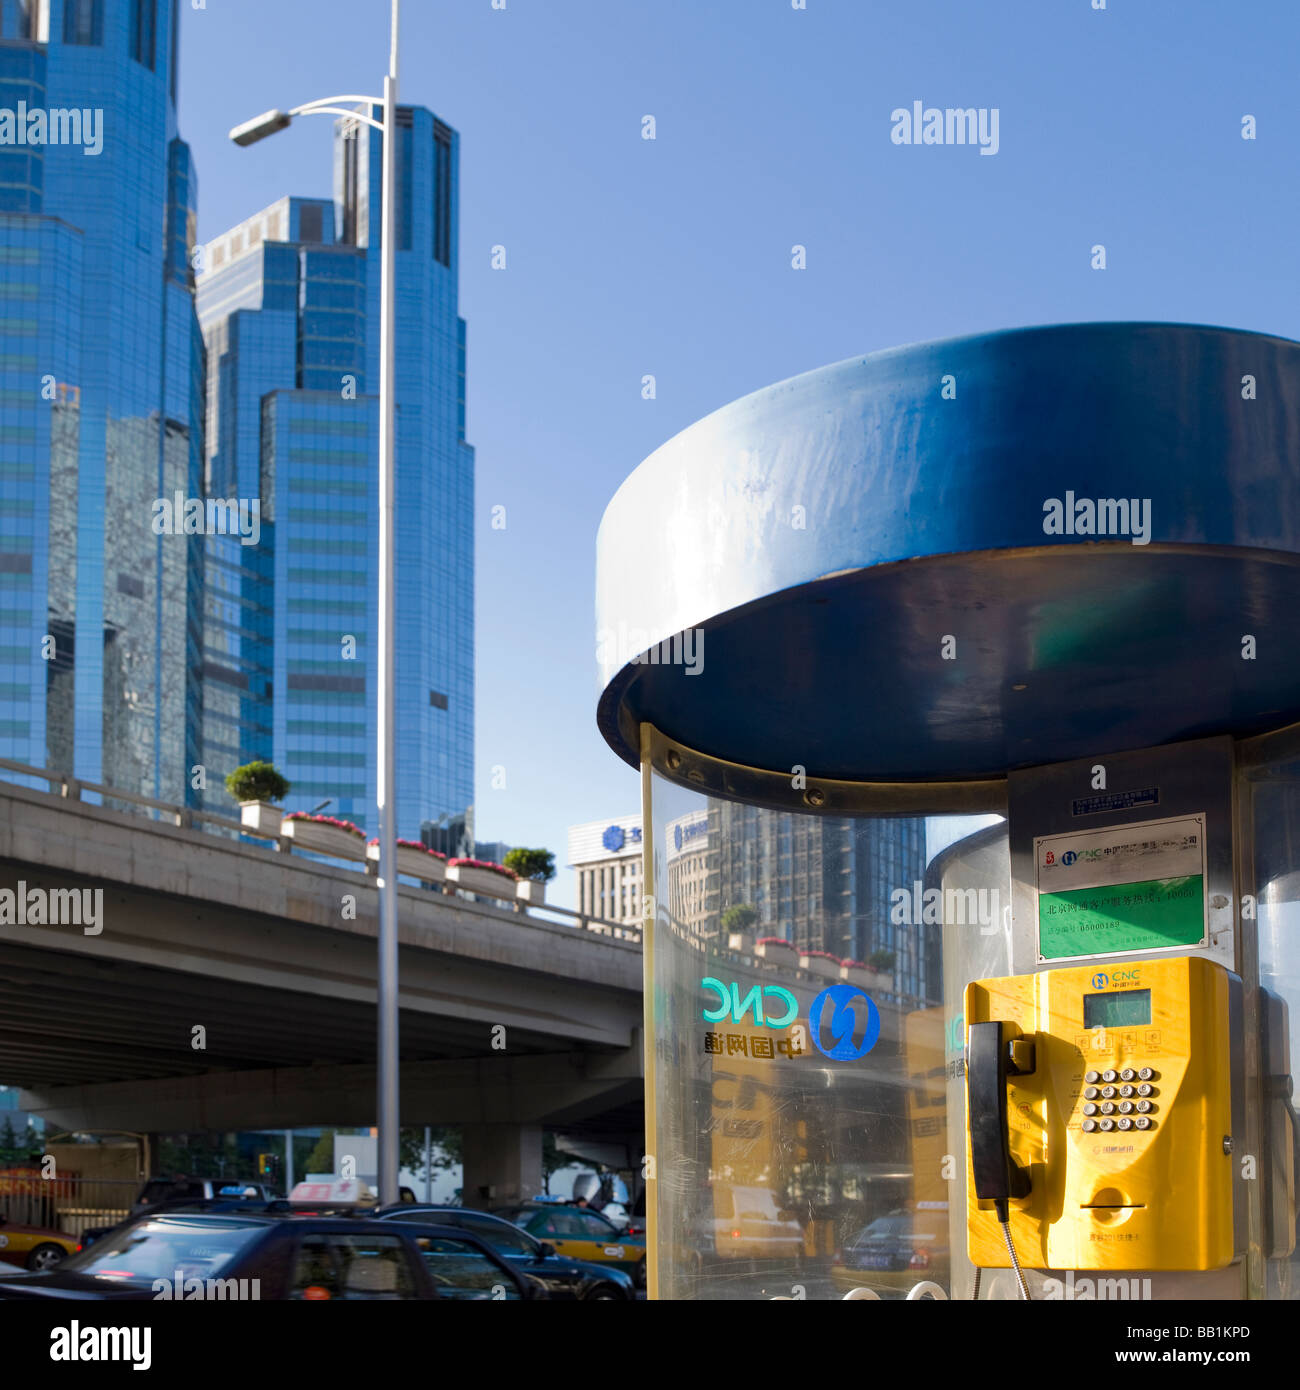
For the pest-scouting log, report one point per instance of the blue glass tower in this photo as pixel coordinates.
(101, 371)
(289, 304)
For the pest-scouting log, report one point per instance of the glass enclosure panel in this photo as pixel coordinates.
(1275, 807)
(808, 1100)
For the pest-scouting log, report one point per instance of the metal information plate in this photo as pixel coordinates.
(1122, 888)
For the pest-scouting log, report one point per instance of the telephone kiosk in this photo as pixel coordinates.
(905, 687)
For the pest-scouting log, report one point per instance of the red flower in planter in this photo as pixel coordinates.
(412, 844)
(483, 864)
(822, 955)
(328, 820)
(772, 941)
(855, 964)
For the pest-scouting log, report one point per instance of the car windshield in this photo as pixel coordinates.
(504, 1238)
(163, 1247)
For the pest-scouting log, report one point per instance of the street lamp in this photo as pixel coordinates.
(248, 134)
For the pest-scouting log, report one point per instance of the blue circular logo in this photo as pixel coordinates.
(1068, 858)
(1100, 981)
(842, 1021)
(677, 836)
(613, 838)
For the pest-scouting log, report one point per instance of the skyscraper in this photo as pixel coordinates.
(289, 303)
(824, 884)
(101, 369)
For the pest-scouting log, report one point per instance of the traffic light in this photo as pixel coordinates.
(266, 1164)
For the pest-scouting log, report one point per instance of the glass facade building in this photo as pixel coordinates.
(822, 884)
(289, 305)
(101, 371)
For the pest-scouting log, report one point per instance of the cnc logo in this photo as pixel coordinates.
(840, 1009)
(1068, 858)
(837, 1014)
(1117, 977)
(731, 1008)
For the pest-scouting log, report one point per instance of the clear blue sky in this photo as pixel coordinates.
(672, 257)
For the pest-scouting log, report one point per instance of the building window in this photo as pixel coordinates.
(350, 188)
(441, 194)
(83, 22)
(176, 47)
(144, 32)
(405, 175)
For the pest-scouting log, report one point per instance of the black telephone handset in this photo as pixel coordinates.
(998, 1177)
(992, 1056)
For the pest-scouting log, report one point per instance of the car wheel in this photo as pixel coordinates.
(46, 1256)
(604, 1293)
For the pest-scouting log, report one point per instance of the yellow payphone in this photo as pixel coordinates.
(1100, 1116)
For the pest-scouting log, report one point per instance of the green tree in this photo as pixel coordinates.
(538, 864)
(447, 1151)
(257, 781)
(740, 917)
(8, 1138)
(881, 960)
(321, 1158)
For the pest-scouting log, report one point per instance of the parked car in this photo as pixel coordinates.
(565, 1278)
(260, 1255)
(748, 1224)
(163, 1193)
(580, 1234)
(894, 1252)
(34, 1247)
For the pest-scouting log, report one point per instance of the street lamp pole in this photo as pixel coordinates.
(386, 760)
(386, 764)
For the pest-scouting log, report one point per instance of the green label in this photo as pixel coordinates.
(1123, 917)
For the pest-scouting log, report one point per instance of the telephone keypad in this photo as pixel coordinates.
(1146, 1090)
(1127, 1074)
(1091, 1093)
(1108, 1092)
(1106, 1124)
(1108, 1076)
(1126, 1107)
(1108, 1107)
(1143, 1122)
(1126, 1090)
(1091, 1076)
(1144, 1106)
(1090, 1109)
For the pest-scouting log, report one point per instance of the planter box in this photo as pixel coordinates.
(858, 975)
(481, 881)
(414, 863)
(782, 953)
(821, 967)
(261, 818)
(323, 839)
(529, 890)
(741, 942)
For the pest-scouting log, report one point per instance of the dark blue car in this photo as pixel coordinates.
(562, 1277)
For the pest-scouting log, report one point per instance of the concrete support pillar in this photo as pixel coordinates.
(502, 1164)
